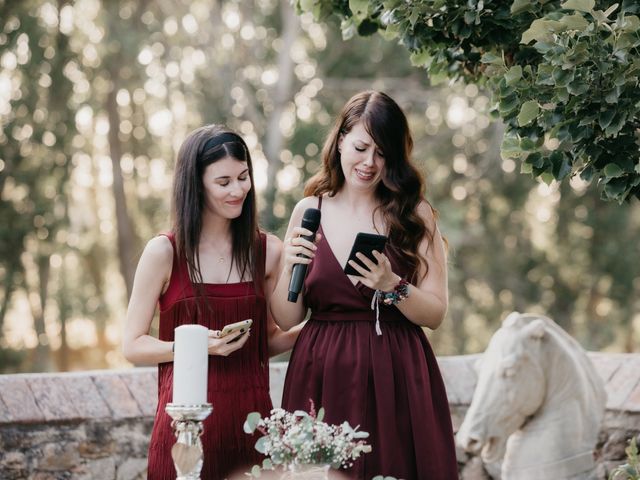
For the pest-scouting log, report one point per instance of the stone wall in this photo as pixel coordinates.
(96, 425)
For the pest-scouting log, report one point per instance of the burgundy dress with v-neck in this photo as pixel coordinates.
(236, 385)
(388, 384)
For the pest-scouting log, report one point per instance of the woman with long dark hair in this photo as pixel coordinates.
(363, 355)
(213, 268)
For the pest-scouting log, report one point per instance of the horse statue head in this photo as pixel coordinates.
(538, 403)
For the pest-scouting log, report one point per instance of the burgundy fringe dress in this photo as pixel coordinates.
(388, 384)
(237, 384)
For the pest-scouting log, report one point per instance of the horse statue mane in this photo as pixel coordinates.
(538, 403)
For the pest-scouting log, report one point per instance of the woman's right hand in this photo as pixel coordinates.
(224, 346)
(296, 245)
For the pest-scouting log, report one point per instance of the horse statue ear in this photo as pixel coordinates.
(511, 319)
(536, 329)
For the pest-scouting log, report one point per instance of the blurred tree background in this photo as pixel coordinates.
(96, 97)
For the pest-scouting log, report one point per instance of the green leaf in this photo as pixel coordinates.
(615, 187)
(612, 170)
(359, 8)
(252, 421)
(535, 159)
(510, 147)
(519, 6)
(562, 77)
(580, 5)
(574, 22)
(267, 465)
(630, 23)
(536, 31)
(508, 104)
(613, 95)
(513, 75)
(577, 87)
(605, 118)
(560, 165)
(255, 471)
(470, 17)
(261, 445)
(547, 177)
(390, 32)
(491, 58)
(528, 112)
(420, 59)
(587, 173)
(320, 415)
(306, 5)
(527, 144)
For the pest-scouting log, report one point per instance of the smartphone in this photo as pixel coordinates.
(365, 243)
(237, 327)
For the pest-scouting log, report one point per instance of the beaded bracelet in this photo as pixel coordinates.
(399, 293)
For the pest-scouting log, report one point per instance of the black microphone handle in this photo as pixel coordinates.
(298, 274)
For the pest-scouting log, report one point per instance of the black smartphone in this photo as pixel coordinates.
(365, 243)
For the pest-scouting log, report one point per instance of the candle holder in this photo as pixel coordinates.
(187, 426)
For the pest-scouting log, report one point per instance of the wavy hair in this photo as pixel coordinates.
(401, 189)
(202, 147)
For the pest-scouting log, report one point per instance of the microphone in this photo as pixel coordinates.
(310, 221)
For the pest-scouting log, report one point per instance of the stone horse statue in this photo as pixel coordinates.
(538, 403)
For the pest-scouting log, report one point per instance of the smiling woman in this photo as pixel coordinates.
(214, 267)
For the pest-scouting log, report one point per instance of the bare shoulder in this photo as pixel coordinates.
(306, 202)
(301, 206)
(156, 262)
(159, 249)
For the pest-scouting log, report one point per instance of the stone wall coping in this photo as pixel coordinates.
(131, 393)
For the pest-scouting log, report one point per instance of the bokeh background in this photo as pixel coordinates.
(96, 97)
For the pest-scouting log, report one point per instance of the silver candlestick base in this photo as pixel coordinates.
(188, 426)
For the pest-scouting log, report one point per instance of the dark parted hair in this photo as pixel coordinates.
(201, 148)
(402, 187)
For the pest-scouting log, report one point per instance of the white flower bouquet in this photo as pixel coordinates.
(301, 438)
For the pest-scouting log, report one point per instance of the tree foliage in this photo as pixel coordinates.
(563, 75)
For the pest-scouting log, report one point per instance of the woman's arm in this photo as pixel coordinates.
(427, 302)
(151, 278)
(288, 314)
(279, 340)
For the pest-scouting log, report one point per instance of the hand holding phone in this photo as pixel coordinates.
(231, 338)
(237, 327)
(365, 243)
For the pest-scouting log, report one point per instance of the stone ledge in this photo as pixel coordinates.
(122, 394)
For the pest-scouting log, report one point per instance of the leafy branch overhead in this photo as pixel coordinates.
(563, 75)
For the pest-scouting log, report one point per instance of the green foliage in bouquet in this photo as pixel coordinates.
(631, 469)
(302, 438)
(563, 74)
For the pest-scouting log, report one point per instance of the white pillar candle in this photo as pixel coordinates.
(190, 365)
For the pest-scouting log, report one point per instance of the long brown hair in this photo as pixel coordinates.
(201, 148)
(402, 187)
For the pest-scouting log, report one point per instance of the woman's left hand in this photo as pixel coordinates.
(380, 276)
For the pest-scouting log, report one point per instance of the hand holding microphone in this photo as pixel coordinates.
(299, 251)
